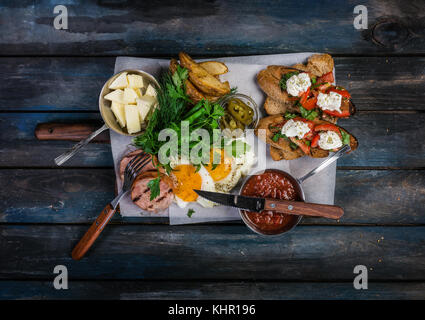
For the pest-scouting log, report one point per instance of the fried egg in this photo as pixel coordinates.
(229, 171)
(187, 178)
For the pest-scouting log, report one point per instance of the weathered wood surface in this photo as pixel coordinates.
(20, 148)
(309, 253)
(73, 84)
(146, 290)
(384, 197)
(210, 27)
(42, 206)
(386, 140)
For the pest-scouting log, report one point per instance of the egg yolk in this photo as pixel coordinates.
(187, 179)
(221, 170)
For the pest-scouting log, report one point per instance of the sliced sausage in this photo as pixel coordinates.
(127, 158)
(140, 193)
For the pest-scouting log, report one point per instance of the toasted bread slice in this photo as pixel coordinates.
(282, 144)
(278, 154)
(281, 149)
(268, 79)
(320, 64)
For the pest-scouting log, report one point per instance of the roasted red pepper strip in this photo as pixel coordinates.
(304, 96)
(345, 110)
(305, 148)
(310, 103)
(327, 77)
(315, 141)
(328, 127)
(342, 92)
(343, 114)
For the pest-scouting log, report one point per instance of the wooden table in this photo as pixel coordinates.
(50, 75)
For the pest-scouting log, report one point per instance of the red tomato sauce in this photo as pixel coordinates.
(271, 184)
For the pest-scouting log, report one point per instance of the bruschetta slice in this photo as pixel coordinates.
(295, 137)
(305, 88)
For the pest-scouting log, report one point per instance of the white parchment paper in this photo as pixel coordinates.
(242, 74)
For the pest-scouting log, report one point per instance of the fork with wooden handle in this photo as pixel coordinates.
(131, 171)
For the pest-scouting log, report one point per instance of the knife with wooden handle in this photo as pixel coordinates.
(260, 204)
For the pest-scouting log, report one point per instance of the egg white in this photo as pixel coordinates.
(240, 167)
(206, 185)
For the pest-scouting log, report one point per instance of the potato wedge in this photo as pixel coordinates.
(194, 94)
(211, 98)
(214, 67)
(203, 80)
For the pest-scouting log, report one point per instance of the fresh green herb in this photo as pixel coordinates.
(289, 115)
(307, 142)
(285, 77)
(308, 114)
(293, 145)
(190, 212)
(313, 80)
(173, 103)
(345, 137)
(153, 186)
(278, 135)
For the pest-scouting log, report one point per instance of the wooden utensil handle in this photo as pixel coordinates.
(69, 132)
(304, 209)
(94, 231)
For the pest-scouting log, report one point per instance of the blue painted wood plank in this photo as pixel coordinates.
(316, 253)
(20, 148)
(50, 84)
(164, 290)
(384, 197)
(386, 140)
(73, 84)
(210, 27)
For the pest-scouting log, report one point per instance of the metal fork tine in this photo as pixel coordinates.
(136, 159)
(141, 165)
(137, 164)
(134, 167)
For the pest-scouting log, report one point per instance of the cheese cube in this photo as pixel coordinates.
(130, 96)
(135, 81)
(138, 91)
(116, 95)
(120, 82)
(144, 105)
(132, 119)
(150, 91)
(119, 112)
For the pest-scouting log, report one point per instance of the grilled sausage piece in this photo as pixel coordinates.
(128, 157)
(140, 193)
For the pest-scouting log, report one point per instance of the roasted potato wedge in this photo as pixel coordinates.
(211, 98)
(194, 94)
(214, 67)
(203, 80)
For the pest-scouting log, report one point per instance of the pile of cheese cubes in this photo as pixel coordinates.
(130, 105)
